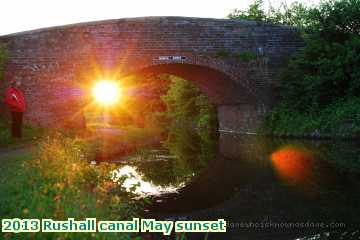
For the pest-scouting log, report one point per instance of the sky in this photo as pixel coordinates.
(23, 15)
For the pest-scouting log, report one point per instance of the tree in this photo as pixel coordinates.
(254, 12)
(328, 69)
(192, 125)
(293, 15)
(320, 89)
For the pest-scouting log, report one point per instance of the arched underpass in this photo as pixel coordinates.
(236, 106)
(210, 52)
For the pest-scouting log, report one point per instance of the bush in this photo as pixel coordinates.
(340, 119)
(319, 93)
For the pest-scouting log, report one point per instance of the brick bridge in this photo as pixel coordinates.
(235, 62)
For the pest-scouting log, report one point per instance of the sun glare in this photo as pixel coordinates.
(106, 92)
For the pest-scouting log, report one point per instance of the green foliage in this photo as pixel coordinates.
(336, 20)
(58, 182)
(254, 12)
(328, 69)
(340, 119)
(323, 73)
(192, 126)
(293, 15)
(186, 106)
(322, 82)
(3, 57)
(320, 90)
(13, 174)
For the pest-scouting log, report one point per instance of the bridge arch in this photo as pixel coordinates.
(47, 60)
(220, 88)
(236, 105)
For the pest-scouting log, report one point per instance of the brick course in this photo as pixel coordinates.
(48, 61)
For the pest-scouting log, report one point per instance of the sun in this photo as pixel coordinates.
(106, 92)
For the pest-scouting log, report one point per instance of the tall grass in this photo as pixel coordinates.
(341, 119)
(59, 182)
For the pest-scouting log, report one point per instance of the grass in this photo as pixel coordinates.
(55, 180)
(30, 133)
(12, 173)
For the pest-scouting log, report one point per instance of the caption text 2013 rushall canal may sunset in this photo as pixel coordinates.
(92, 225)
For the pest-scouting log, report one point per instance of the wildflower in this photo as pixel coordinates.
(57, 197)
(59, 185)
(115, 199)
(25, 211)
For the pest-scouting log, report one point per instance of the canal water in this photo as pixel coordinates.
(265, 188)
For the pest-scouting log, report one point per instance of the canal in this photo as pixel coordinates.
(265, 188)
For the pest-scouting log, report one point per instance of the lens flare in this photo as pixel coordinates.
(106, 92)
(293, 163)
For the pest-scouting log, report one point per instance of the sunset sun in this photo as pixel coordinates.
(106, 92)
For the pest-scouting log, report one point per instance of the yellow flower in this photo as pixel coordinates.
(25, 211)
(60, 186)
(115, 199)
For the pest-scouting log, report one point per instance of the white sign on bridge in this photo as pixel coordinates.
(172, 58)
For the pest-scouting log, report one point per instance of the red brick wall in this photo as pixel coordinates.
(48, 61)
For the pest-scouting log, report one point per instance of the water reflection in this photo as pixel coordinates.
(154, 172)
(251, 179)
(134, 182)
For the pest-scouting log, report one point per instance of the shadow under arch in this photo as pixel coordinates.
(217, 85)
(236, 105)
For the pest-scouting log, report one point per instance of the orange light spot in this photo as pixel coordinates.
(293, 163)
